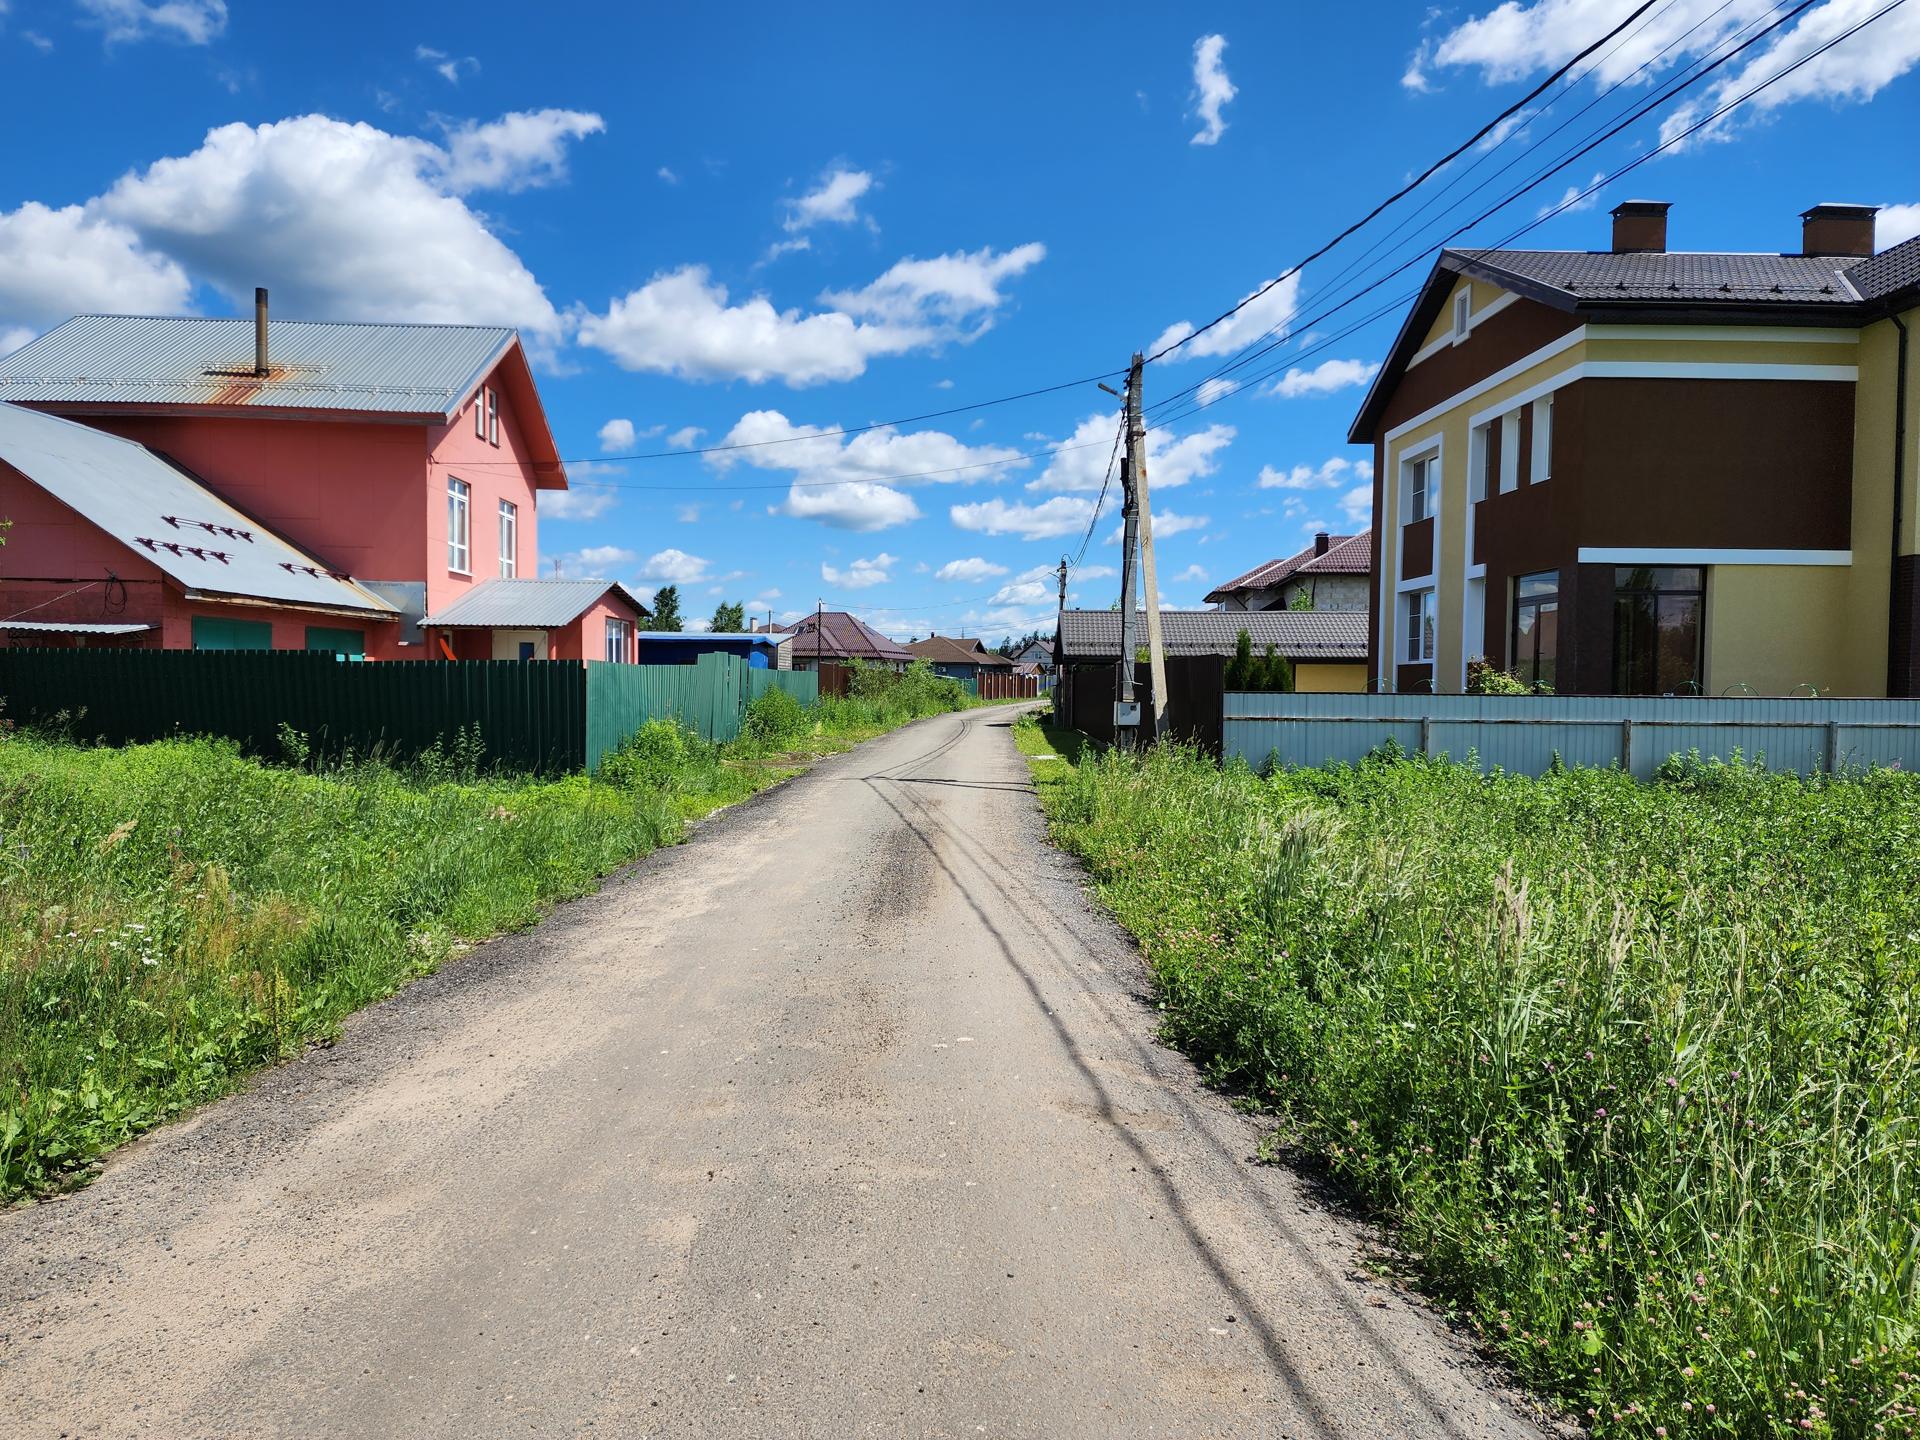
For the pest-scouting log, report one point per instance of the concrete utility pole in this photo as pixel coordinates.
(1063, 595)
(1138, 505)
(1129, 548)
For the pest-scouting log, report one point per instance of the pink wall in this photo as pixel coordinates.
(496, 473)
(347, 493)
(51, 551)
(586, 638)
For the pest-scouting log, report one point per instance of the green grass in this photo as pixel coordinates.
(174, 915)
(1631, 1070)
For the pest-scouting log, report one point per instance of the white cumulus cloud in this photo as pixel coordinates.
(1324, 378)
(57, 263)
(834, 200)
(1082, 463)
(193, 22)
(674, 567)
(860, 574)
(1062, 515)
(1272, 312)
(1211, 88)
(1326, 476)
(616, 435)
(973, 568)
(1893, 224)
(523, 150)
(596, 562)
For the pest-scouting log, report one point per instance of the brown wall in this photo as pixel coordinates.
(1495, 343)
(1661, 464)
(1416, 549)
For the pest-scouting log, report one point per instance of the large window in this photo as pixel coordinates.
(1420, 484)
(1658, 628)
(460, 526)
(619, 639)
(509, 539)
(1418, 646)
(1535, 642)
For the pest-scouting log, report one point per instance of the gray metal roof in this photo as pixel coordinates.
(1094, 635)
(172, 360)
(1680, 277)
(73, 627)
(526, 604)
(164, 515)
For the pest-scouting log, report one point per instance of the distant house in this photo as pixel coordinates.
(183, 482)
(538, 620)
(1037, 653)
(1330, 574)
(836, 636)
(761, 651)
(958, 659)
(1328, 648)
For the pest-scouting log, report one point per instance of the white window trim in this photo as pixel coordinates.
(1387, 541)
(480, 413)
(1450, 338)
(493, 417)
(464, 495)
(1542, 439)
(509, 540)
(1493, 382)
(1462, 303)
(623, 630)
(1640, 555)
(1427, 587)
(1510, 452)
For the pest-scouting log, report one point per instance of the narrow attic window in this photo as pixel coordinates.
(480, 414)
(1462, 313)
(493, 416)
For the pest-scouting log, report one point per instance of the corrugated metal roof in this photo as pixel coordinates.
(526, 604)
(1094, 635)
(1691, 276)
(73, 627)
(313, 365)
(162, 513)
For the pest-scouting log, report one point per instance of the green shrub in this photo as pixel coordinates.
(1633, 1069)
(773, 718)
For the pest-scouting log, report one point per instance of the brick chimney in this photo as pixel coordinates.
(1320, 543)
(1837, 230)
(1640, 227)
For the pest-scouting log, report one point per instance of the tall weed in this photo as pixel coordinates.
(1634, 1069)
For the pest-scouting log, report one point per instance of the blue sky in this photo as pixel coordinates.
(721, 224)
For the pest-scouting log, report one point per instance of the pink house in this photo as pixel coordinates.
(226, 484)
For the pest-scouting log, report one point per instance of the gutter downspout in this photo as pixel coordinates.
(1897, 683)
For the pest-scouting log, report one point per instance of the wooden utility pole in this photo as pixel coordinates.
(1140, 508)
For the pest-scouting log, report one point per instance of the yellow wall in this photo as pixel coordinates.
(1328, 678)
(1483, 296)
(1777, 627)
(1773, 627)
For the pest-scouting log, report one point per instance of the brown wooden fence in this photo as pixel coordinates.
(835, 679)
(1005, 685)
(1083, 699)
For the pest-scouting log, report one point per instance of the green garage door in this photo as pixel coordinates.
(350, 643)
(209, 634)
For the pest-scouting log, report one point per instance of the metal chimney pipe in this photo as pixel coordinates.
(260, 330)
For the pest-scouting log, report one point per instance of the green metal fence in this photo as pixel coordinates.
(545, 716)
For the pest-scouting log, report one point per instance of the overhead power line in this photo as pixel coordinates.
(1411, 185)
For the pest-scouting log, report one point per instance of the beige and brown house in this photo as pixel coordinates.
(1643, 471)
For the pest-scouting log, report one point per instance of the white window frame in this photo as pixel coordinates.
(459, 526)
(480, 414)
(1427, 466)
(1462, 312)
(1509, 452)
(493, 416)
(619, 639)
(509, 539)
(1542, 439)
(1477, 442)
(1420, 611)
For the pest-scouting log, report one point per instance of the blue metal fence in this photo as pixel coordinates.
(1525, 733)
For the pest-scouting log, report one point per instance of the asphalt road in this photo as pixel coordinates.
(843, 1119)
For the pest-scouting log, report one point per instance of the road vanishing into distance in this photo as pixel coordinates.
(845, 1118)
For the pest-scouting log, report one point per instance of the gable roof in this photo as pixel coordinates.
(1691, 286)
(160, 512)
(845, 638)
(1276, 572)
(418, 373)
(527, 604)
(1351, 556)
(947, 650)
(1094, 635)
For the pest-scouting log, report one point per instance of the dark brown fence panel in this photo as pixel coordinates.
(526, 714)
(1004, 685)
(835, 679)
(1084, 697)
